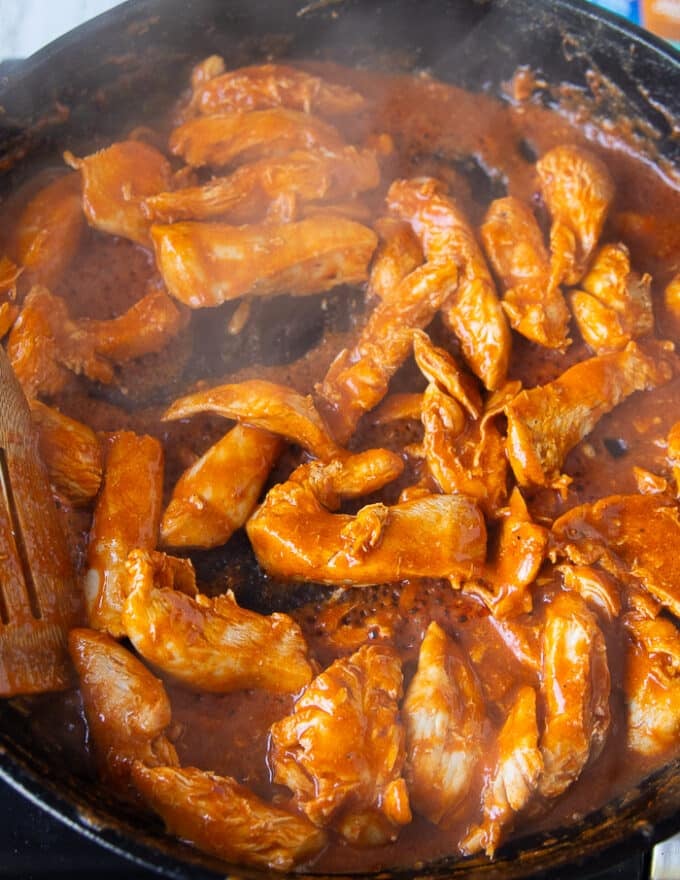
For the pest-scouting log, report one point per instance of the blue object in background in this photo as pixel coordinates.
(629, 9)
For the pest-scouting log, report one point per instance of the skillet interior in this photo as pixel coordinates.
(124, 68)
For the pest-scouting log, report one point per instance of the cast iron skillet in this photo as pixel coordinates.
(124, 68)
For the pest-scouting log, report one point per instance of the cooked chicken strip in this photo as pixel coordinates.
(614, 304)
(209, 644)
(652, 685)
(359, 377)
(444, 717)
(441, 369)
(71, 453)
(126, 707)
(259, 134)
(272, 85)
(576, 685)
(265, 405)
(442, 535)
(577, 190)
(217, 494)
(127, 516)
(474, 312)
(206, 264)
(398, 254)
(513, 779)
(46, 344)
(513, 242)
(673, 455)
(8, 315)
(467, 456)
(246, 194)
(341, 752)
(633, 536)
(544, 423)
(47, 234)
(520, 552)
(223, 818)
(598, 588)
(115, 181)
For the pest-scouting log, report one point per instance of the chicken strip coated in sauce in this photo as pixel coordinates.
(206, 264)
(634, 537)
(613, 304)
(474, 311)
(513, 242)
(514, 777)
(46, 345)
(71, 453)
(259, 134)
(266, 405)
(127, 709)
(399, 253)
(217, 494)
(127, 516)
(359, 377)
(48, 231)
(223, 818)
(245, 196)
(262, 86)
(445, 721)
(545, 422)
(208, 644)
(577, 190)
(576, 686)
(341, 752)
(442, 535)
(652, 684)
(115, 181)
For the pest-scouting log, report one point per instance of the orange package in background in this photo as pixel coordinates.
(662, 17)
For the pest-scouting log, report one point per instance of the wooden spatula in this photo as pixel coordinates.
(39, 601)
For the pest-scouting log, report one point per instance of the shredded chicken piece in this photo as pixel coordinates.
(544, 423)
(359, 377)
(521, 550)
(576, 686)
(8, 315)
(578, 190)
(671, 300)
(467, 456)
(513, 242)
(270, 85)
(398, 254)
(614, 304)
(71, 453)
(206, 264)
(652, 684)
(127, 516)
(595, 586)
(513, 780)
(223, 818)
(209, 644)
(341, 752)
(115, 181)
(46, 345)
(633, 536)
(441, 369)
(217, 494)
(247, 136)
(127, 709)
(445, 718)
(396, 407)
(47, 234)
(264, 405)
(248, 192)
(473, 312)
(443, 535)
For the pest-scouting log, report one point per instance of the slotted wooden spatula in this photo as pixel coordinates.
(39, 602)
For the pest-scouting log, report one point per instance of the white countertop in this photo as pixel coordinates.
(27, 25)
